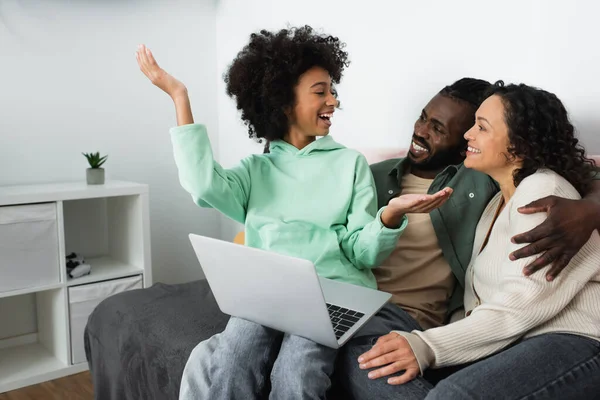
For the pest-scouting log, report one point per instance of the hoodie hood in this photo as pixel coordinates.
(326, 143)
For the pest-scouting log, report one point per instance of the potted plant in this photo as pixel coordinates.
(95, 174)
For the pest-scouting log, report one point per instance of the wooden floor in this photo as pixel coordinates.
(74, 387)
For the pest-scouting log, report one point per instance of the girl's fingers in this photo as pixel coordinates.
(442, 201)
(429, 199)
(151, 60)
(429, 205)
(447, 191)
(436, 198)
(144, 61)
(138, 54)
(416, 204)
(437, 203)
(138, 58)
(141, 64)
(144, 54)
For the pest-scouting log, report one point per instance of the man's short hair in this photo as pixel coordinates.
(470, 90)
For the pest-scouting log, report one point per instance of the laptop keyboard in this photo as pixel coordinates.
(342, 319)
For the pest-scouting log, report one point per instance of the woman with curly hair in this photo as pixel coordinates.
(525, 337)
(309, 198)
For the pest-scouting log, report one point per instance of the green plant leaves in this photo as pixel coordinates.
(95, 160)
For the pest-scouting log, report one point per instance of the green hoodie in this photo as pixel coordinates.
(318, 203)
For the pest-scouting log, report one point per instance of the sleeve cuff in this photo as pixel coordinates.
(423, 353)
(177, 130)
(390, 230)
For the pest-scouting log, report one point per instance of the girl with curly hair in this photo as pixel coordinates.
(309, 198)
(523, 336)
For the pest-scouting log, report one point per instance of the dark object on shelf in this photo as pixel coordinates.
(76, 266)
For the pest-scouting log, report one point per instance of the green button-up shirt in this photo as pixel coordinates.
(455, 221)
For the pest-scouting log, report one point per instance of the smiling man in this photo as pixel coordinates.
(426, 272)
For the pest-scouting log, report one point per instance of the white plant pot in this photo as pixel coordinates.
(95, 176)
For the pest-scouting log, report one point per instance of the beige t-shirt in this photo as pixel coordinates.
(416, 273)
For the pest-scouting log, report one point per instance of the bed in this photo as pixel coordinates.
(137, 342)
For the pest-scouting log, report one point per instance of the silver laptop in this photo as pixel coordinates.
(284, 293)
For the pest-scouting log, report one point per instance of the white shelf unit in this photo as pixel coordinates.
(109, 226)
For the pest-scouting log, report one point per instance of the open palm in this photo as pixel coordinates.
(156, 74)
(419, 203)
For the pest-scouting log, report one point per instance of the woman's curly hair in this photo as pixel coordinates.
(265, 72)
(541, 135)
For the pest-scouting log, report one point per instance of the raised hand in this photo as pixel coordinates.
(167, 83)
(156, 74)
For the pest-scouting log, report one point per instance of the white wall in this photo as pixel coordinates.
(404, 52)
(69, 83)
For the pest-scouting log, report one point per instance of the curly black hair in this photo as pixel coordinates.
(541, 134)
(265, 72)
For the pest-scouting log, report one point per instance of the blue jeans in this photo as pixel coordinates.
(550, 366)
(351, 382)
(237, 363)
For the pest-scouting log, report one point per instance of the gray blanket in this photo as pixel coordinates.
(137, 342)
